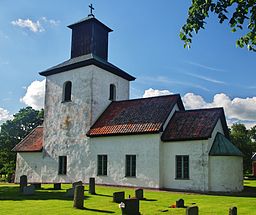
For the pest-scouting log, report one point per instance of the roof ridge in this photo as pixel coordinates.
(200, 109)
(152, 97)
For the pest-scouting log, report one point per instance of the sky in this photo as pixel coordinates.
(145, 43)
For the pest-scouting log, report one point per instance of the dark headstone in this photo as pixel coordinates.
(79, 197)
(70, 192)
(92, 186)
(139, 194)
(180, 203)
(131, 207)
(233, 211)
(77, 183)
(192, 210)
(29, 190)
(118, 197)
(57, 186)
(37, 186)
(23, 182)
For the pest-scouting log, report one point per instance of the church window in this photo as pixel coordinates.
(112, 92)
(67, 88)
(130, 168)
(102, 164)
(182, 167)
(62, 165)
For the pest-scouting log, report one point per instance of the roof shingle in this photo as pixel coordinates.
(33, 142)
(194, 124)
(135, 116)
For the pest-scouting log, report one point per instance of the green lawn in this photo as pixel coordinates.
(48, 201)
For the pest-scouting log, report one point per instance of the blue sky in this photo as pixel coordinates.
(145, 43)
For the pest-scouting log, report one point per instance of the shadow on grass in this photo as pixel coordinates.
(99, 211)
(14, 194)
(149, 200)
(104, 195)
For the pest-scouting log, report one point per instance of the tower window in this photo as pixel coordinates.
(62, 165)
(112, 92)
(67, 88)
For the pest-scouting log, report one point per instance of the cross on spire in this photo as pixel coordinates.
(91, 10)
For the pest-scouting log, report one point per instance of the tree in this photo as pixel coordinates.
(243, 17)
(13, 131)
(240, 137)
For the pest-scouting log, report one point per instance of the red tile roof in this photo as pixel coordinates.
(135, 116)
(33, 142)
(194, 124)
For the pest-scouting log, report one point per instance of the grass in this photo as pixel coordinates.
(48, 201)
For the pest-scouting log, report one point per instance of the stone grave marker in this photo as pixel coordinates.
(29, 190)
(37, 186)
(233, 211)
(139, 194)
(131, 207)
(92, 186)
(118, 197)
(192, 210)
(57, 186)
(70, 192)
(23, 182)
(77, 183)
(180, 203)
(79, 197)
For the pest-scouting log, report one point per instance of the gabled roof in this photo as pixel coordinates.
(135, 116)
(223, 147)
(86, 60)
(194, 124)
(33, 142)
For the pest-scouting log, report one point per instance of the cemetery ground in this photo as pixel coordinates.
(49, 201)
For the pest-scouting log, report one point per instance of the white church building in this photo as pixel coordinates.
(92, 129)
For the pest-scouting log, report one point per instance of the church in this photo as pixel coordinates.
(92, 129)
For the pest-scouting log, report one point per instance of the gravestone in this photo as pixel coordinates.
(131, 207)
(77, 183)
(233, 211)
(92, 186)
(192, 210)
(37, 186)
(79, 197)
(70, 192)
(118, 197)
(180, 203)
(139, 194)
(23, 182)
(57, 186)
(29, 190)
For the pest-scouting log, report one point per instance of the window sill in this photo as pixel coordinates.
(130, 176)
(102, 175)
(66, 101)
(182, 179)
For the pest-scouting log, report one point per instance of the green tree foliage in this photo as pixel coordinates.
(241, 137)
(12, 132)
(240, 14)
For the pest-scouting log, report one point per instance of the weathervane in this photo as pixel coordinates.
(91, 10)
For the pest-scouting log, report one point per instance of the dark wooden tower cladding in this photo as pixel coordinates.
(89, 36)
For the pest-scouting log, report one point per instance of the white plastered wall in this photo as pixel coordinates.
(226, 173)
(146, 149)
(29, 164)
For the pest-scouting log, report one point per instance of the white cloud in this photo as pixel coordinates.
(237, 110)
(52, 22)
(34, 96)
(4, 115)
(29, 24)
(151, 93)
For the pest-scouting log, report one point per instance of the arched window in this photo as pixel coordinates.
(67, 88)
(112, 92)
